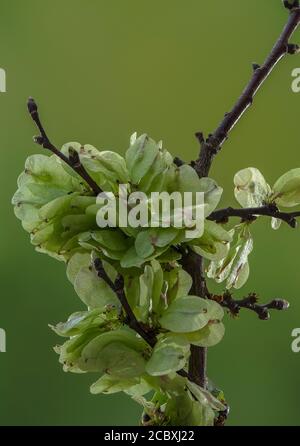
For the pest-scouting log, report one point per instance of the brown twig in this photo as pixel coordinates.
(73, 161)
(271, 210)
(131, 321)
(193, 264)
(250, 302)
(211, 145)
(118, 288)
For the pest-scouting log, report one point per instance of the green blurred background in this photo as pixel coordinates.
(99, 71)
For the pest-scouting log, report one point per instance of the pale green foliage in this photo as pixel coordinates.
(287, 189)
(189, 313)
(251, 189)
(169, 355)
(214, 243)
(234, 268)
(59, 210)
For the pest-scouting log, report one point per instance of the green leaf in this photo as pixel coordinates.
(110, 164)
(185, 179)
(115, 358)
(208, 336)
(143, 245)
(275, 223)
(182, 285)
(169, 256)
(148, 240)
(212, 194)
(183, 410)
(251, 189)
(81, 203)
(94, 291)
(214, 244)
(242, 276)
(115, 353)
(70, 351)
(186, 314)
(234, 267)
(112, 239)
(56, 207)
(49, 170)
(110, 384)
(158, 279)
(131, 259)
(73, 224)
(140, 157)
(155, 179)
(287, 189)
(240, 268)
(107, 168)
(141, 388)
(80, 321)
(169, 355)
(145, 295)
(220, 269)
(76, 262)
(215, 310)
(205, 397)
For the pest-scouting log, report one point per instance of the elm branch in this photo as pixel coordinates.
(250, 302)
(248, 214)
(118, 287)
(211, 145)
(73, 161)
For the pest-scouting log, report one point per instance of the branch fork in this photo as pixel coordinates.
(209, 147)
(214, 142)
(118, 288)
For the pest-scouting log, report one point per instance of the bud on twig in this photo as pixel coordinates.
(74, 158)
(31, 105)
(291, 4)
(264, 314)
(200, 137)
(293, 48)
(38, 140)
(279, 304)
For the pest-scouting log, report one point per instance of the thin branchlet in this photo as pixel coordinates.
(118, 287)
(73, 160)
(192, 263)
(210, 146)
(291, 4)
(249, 214)
(250, 302)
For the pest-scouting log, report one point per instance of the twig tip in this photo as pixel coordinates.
(293, 48)
(31, 105)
